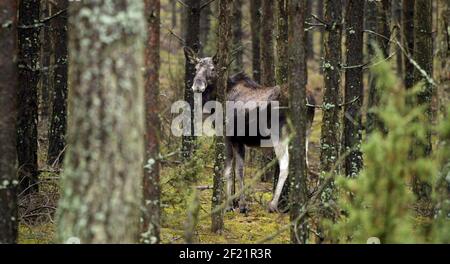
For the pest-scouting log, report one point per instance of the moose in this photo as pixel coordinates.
(241, 88)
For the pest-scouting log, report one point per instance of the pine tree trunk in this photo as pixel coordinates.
(408, 40)
(397, 20)
(378, 15)
(8, 106)
(309, 34)
(282, 78)
(444, 55)
(238, 59)
(151, 216)
(255, 6)
(267, 44)
(423, 55)
(45, 90)
(267, 69)
(353, 88)
(297, 94)
(223, 49)
(331, 125)
(192, 37)
(29, 47)
(205, 27)
(320, 15)
(282, 42)
(103, 172)
(57, 133)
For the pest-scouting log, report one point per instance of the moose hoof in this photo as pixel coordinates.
(273, 208)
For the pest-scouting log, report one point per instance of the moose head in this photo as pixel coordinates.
(205, 74)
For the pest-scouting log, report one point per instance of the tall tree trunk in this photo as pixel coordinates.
(223, 49)
(297, 94)
(267, 68)
(46, 62)
(102, 178)
(151, 216)
(397, 21)
(423, 55)
(57, 133)
(205, 27)
(444, 55)
(238, 60)
(267, 44)
(282, 42)
(192, 37)
(255, 24)
(309, 34)
(408, 40)
(353, 87)
(282, 73)
(8, 106)
(29, 47)
(331, 123)
(320, 15)
(378, 15)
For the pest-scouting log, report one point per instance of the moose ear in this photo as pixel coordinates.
(215, 59)
(191, 55)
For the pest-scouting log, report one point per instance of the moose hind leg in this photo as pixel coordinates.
(228, 175)
(239, 154)
(282, 153)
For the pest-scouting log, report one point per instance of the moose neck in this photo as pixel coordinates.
(210, 93)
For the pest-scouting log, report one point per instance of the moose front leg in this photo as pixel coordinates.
(239, 154)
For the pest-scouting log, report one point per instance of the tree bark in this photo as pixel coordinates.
(282, 42)
(444, 55)
(8, 108)
(151, 216)
(102, 178)
(408, 40)
(205, 27)
(223, 49)
(192, 37)
(297, 94)
(267, 44)
(378, 22)
(309, 34)
(353, 88)
(27, 115)
(255, 24)
(397, 20)
(238, 50)
(58, 125)
(331, 125)
(267, 69)
(423, 55)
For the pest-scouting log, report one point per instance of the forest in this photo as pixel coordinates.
(131, 121)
